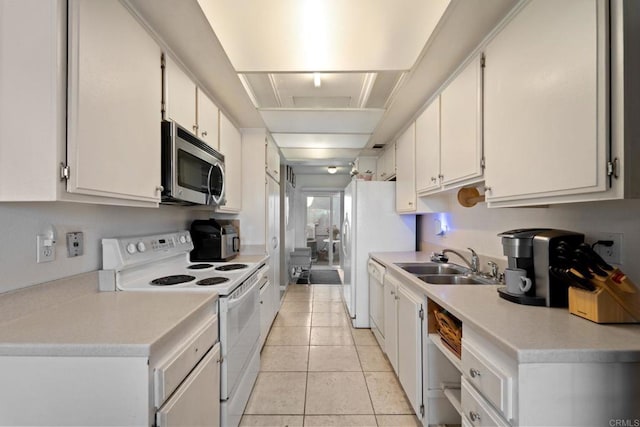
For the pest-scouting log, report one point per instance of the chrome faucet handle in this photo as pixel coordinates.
(475, 261)
(439, 257)
(495, 270)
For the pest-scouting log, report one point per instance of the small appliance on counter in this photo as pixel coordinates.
(214, 240)
(531, 253)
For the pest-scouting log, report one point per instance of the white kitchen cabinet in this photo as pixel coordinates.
(273, 232)
(186, 104)
(267, 310)
(231, 148)
(461, 127)
(207, 120)
(428, 148)
(386, 165)
(112, 107)
(273, 159)
(391, 320)
(405, 175)
(546, 110)
(410, 337)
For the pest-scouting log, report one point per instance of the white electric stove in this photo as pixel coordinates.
(160, 263)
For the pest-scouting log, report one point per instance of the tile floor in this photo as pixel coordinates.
(318, 371)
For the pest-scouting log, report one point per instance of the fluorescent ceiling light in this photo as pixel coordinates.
(321, 140)
(316, 80)
(332, 169)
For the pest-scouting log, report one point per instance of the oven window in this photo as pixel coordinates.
(193, 172)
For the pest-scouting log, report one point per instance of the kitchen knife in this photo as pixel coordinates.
(585, 259)
(595, 256)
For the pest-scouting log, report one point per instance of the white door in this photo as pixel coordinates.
(113, 106)
(391, 322)
(428, 148)
(410, 346)
(346, 253)
(231, 147)
(546, 103)
(405, 174)
(197, 401)
(207, 120)
(461, 126)
(266, 310)
(180, 96)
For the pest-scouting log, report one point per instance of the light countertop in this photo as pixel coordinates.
(528, 334)
(104, 324)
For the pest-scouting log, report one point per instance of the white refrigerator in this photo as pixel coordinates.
(370, 224)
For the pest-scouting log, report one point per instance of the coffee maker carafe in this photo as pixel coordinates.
(530, 253)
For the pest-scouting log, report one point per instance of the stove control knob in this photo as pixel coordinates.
(188, 238)
(141, 246)
(183, 239)
(131, 248)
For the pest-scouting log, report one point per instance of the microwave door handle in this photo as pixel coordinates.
(210, 196)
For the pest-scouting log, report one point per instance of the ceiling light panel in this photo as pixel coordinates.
(333, 154)
(321, 121)
(331, 140)
(323, 35)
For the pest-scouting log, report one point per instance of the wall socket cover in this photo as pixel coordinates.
(611, 254)
(75, 243)
(46, 248)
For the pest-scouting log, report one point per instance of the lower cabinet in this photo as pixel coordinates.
(403, 330)
(267, 310)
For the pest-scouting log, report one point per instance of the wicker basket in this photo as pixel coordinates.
(450, 331)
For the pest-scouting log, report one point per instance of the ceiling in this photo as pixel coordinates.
(378, 61)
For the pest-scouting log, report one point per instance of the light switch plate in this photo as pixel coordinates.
(75, 243)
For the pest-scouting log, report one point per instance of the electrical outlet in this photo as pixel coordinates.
(611, 254)
(75, 244)
(46, 249)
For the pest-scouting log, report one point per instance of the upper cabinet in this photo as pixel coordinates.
(84, 107)
(551, 135)
(406, 175)
(273, 159)
(112, 105)
(187, 105)
(231, 148)
(386, 166)
(461, 127)
(428, 148)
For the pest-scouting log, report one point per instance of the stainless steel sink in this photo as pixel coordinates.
(432, 268)
(454, 279)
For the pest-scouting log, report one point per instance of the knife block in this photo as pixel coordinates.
(598, 306)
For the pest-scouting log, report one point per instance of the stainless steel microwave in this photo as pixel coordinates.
(192, 171)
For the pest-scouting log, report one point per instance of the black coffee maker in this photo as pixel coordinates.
(533, 250)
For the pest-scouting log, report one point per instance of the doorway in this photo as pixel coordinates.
(323, 225)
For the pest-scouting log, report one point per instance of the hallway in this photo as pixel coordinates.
(318, 371)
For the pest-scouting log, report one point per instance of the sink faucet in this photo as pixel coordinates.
(474, 264)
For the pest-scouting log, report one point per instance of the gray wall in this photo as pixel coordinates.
(477, 227)
(21, 222)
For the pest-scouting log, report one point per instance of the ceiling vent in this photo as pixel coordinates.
(378, 146)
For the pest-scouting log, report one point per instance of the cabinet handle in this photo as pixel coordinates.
(392, 293)
(275, 171)
(195, 129)
(474, 416)
(383, 174)
(487, 189)
(433, 179)
(474, 373)
(410, 203)
(204, 133)
(397, 297)
(159, 189)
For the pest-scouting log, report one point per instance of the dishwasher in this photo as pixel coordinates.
(376, 299)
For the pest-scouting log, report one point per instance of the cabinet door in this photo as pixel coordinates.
(405, 175)
(273, 160)
(273, 230)
(428, 148)
(207, 120)
(545, 102)
(113, 140)
(391, 323)
(180, 96)
(266, 310)
(231, 147)
(410, 346)
(461, 126)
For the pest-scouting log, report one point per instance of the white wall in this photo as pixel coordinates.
(312, 183)
(21, 222)
(478, 227)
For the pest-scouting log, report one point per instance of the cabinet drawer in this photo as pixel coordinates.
(175, 368)
(491, 380)
(476, 411)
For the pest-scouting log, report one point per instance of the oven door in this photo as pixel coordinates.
(240, 334)
(195, 402)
